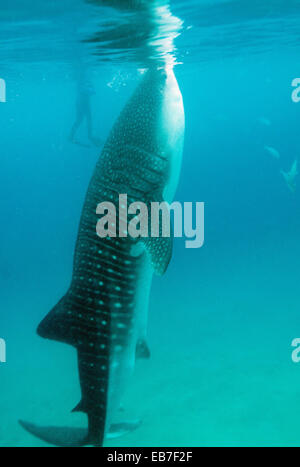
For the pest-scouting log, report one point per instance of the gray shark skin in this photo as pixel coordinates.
(103, 314)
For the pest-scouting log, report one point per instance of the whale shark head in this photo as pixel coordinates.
(147, 31)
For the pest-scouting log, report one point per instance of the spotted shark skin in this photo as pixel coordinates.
(103, 313)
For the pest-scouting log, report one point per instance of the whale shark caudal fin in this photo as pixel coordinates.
(58, 436)
(75, 437)
(72, 322)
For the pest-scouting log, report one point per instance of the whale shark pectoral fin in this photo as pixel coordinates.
(160, 251)
(158, 245)
(119, 429)
(58, 436)
(142, 349)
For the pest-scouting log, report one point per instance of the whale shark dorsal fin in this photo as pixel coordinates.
(80, 407)
(57, 324)
(160, 251)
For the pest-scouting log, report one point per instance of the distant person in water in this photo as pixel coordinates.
(83, 112)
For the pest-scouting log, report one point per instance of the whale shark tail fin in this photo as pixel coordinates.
(75, 437)
(58, 436)
(58, 324)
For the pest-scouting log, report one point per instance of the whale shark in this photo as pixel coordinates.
(103, 314)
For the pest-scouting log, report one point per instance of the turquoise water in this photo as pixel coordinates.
(222, 319)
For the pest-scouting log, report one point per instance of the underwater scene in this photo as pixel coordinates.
(150, 223)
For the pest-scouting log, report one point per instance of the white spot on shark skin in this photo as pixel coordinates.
(290, 177)
(272, 151)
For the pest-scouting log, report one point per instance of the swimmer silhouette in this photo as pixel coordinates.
(84, 113)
